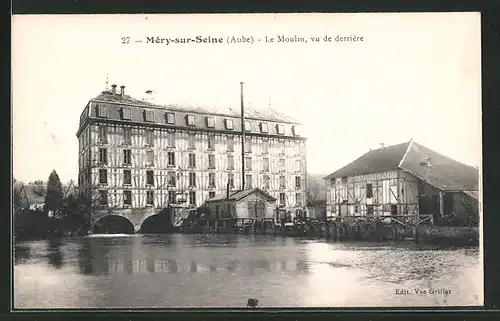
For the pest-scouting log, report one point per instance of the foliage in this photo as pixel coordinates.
(54, 197)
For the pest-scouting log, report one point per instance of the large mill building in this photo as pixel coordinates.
(139, 154)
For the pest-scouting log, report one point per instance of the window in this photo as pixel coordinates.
(248, 145)
(127, 177)
(171, 159)
(103, 198)
(102, 111)
(344, 180)
(211, 179)
(295, 130)
(170, 118)
(298, 199)
(394, 209)
(297, 181)
(230, 144)
(248, 163)
(103, 156)
(171, 179)
(126, 113)
(171, 197)
(211, 161)
(127, 157)
(149, 198)
(103, 134)
(266, 182)
(190, 120)
(210, 122)
(127, 135)
(211, 194)
(211, 142)
(282, 164)
(150, 178)
(282, 148)
(192, 160)
(149, 137)
(369, 190)
(150, 158)
(265, 147)
(282, 199)
(103, 176)
(230, 179)
(127, 197)
(191, 141)
(192, 179)
(280, 129)
(248, 126)
(192, 198)
(265, 164)
(298, 166)
(148, 115)
(230, 162)
(282, 181)
(171, 139)
(229, 124)
(263, 127)
(369, 209)
(248, 181)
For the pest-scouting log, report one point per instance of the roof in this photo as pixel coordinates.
(439, 170)
(250, 112)
(377, 160)
(418, 160)
(239, 195)
(473, 194)
(35, 193)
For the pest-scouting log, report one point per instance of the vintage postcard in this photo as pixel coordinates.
(246, 161)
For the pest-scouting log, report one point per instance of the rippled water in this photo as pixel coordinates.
(164, 271)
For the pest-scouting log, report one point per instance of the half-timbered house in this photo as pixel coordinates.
(407, 178)
(140, 154)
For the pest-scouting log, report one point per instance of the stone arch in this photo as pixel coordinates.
(113, 224)
(160, 222)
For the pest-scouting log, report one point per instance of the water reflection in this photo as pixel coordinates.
(54, 255)
(22, 254)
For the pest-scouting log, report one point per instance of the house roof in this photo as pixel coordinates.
(418, 160)
(377, 160)
(439, 170)
(239, 195)
(35, 193)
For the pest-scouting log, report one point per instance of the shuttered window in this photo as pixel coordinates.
(210, 122)
(103, 198)
(230, 144)
(127, 157)
(248, 126)
(280, 129)
(103, 176)
(127, 135)
(127, 177)
(263, 127)
(150, 158)
(103, 156)
(126, 113)
(211, 142)
(248, 181)
(211, 161)
(148, 116)
(171, 159)
(230, 162)
(192, 160)
(295, 130)
(190, 120)
(192, 198)
(150, 178)
(248, 163)
(211, 179)
(265, 164)
(229, 124)
(103, 133)
(127, 197)
(149, 137)
(266, 182)
(192, 179)
(102, 111)
(298, 199)
(150, 198)
(230, 179)
(282, 182)
(171, 179)
(297, 181)
(170, 118)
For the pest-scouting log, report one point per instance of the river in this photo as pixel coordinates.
(176, 270)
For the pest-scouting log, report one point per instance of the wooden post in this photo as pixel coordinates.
(216, 229)
(441, 205)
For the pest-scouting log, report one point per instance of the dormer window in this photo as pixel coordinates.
(280, 129)
(170, 118)
(210, 122)
(229, 124)
(102, 111)
(263, 127)
(126, 113)
(296, 130)
(190, 120)
(148, 115)
(248, 126)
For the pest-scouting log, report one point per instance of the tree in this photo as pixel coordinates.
(316, 190)
(54, 197)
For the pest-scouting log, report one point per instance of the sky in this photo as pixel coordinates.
(414, 76)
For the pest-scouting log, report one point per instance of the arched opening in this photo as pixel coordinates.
(113, 224)
(158, 224)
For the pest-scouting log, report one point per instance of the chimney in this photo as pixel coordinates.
(113, 89)
(122, 90)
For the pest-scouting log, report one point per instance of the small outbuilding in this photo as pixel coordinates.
(250, 203)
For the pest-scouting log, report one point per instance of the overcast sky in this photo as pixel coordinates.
(414, 76)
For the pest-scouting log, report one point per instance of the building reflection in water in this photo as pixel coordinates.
(54, 255)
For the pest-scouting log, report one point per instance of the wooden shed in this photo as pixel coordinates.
(250, 203)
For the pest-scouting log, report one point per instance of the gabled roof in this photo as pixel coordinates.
(439, 170)
(239, 195)
(418, 160)
(377, 160)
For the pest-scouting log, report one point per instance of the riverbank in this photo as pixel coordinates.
(367, 231)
